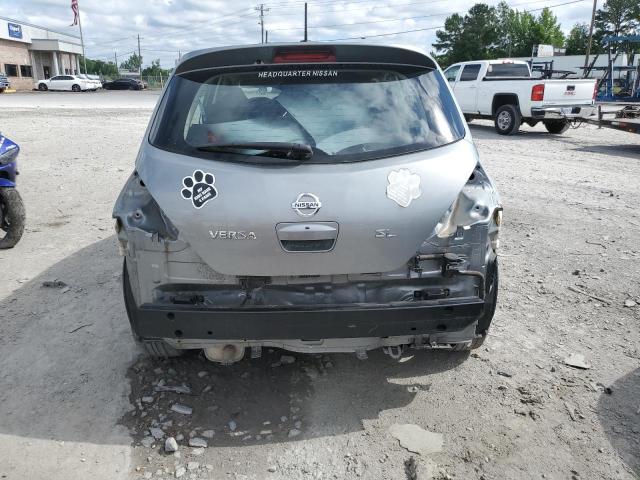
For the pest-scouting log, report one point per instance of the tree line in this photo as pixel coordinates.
(488, 32)
(110, 69)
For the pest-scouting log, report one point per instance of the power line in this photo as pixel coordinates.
(362, 37)
(553, 6)
(368, 7)
(113, 41)
(220, 19)
(409, 18)
(283, 5)
(363, 23)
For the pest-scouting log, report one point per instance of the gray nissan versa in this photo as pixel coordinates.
(311, 197)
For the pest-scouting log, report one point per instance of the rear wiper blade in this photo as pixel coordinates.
(287, 149)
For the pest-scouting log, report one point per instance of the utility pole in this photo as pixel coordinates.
(593, 18)
(262, 10)
(140, 60)
(115, 59)
(305, 22)
(266, 36)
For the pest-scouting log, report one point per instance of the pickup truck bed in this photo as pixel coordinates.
(511, 100)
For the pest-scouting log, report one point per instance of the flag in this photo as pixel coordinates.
(74, 8)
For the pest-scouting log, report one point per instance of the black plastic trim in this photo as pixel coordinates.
(353, 321)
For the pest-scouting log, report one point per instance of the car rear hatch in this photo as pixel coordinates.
(389, 159)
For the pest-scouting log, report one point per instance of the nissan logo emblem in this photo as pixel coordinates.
(306, 205)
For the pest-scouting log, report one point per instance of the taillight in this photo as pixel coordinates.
(595, 91)
(537, 93)
(304, 56)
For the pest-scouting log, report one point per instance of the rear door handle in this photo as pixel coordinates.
(307, 231)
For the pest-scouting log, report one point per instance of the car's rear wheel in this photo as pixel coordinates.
(76, 88)
(557, 126)
(11, 217)
(153, 347)
(507, 120)
(43, 87)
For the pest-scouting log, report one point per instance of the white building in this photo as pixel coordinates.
(29, 53)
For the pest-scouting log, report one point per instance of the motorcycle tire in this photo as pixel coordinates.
(12, 217)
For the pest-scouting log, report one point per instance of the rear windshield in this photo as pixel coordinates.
(507, 70)
(345, 113)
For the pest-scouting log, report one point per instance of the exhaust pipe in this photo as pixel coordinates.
(225, 354)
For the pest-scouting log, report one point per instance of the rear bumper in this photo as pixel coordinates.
(443, 319)
(562, 112)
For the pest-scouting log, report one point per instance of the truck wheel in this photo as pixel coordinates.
(42, 87)
(490, 302)
(556, 126)
(507, 120)
(153, 348)
(11, 217)
(468, 119)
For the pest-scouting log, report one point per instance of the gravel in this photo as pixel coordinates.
(170, 445)
(556, 221)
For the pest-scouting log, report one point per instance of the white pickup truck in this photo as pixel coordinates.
(505, 91)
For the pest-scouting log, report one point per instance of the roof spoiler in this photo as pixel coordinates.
(272, 54)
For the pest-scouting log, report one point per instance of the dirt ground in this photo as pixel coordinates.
(72, 380)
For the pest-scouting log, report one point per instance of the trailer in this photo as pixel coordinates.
(618, 115)
(618, 99)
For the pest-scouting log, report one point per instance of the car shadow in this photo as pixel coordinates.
(619, 413)
(616, 150)
(71, 371)
(487, 131)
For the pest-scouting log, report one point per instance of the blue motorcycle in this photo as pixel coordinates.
(11, 206)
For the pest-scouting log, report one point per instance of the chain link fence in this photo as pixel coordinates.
(153, 82)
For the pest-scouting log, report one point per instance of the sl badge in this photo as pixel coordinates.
(404, 186)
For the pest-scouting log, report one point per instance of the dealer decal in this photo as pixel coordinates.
(298, 73)
(199, 188)
(404, 186)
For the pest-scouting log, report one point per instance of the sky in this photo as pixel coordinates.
(168, 27)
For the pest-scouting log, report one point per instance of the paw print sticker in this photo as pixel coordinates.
(404, 186)
(199, 188)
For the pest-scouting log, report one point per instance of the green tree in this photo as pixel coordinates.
(576, 43)
(133, 63)
(155, 70)
(99, 67)
(471, 37)
(547, 30)
(491, 32)
(519, 32)
(617, 17)
(449, 40)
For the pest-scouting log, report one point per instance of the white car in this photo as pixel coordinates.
(72, 83)
(96, 80)
(91, 84)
